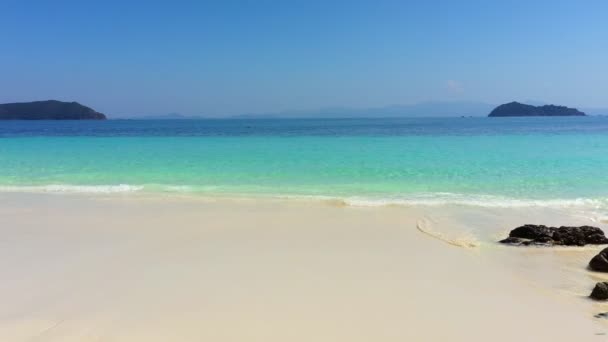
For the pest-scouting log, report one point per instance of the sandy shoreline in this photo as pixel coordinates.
(133, 268)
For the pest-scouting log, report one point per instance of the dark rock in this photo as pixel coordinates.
(532, 232)
(597, 239)
(541, 235)
(600, 262)
(580, 236)
(520, 109)
(512, 240)
(48, 110)
(601, 315)
(600, 291)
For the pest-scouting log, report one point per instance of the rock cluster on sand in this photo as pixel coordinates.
(531, 234)
(600, 291)
(600, 262)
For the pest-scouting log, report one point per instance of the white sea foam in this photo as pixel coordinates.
(488, 201)
(422, 199)
(61, 188)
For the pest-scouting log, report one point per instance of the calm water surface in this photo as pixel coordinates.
(414, 159)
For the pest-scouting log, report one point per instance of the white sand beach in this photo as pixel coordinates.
(136, 268)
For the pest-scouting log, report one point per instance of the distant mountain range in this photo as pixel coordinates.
(595, 111)
(170, 116)
(437, 109)
(423, 109)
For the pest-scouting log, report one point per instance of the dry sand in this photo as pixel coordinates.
(80, 268)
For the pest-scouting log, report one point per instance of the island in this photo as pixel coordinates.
(48, 110)
(520, 109)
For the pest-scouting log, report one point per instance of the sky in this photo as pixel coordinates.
(222, 58)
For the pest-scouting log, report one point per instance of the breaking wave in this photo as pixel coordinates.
(72, 189)
(438, 199)
(420, 199)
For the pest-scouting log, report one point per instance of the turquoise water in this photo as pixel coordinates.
(390, 159)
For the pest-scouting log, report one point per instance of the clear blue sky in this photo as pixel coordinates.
(231, 57)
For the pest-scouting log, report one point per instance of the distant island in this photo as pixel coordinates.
(48, 110)
(520, 109)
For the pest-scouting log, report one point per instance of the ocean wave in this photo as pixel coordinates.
(439, 199)
(61, 188)
(420, 199)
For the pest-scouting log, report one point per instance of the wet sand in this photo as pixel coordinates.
(136, 268)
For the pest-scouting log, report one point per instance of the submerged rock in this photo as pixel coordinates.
(600, 262)
(601, 315)
(600, 291)
(531, 234)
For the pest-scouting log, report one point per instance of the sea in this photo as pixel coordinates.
(492, 162)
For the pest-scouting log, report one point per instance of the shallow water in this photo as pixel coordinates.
(555, 162)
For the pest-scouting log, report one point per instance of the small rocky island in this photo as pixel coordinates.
(48, 110)
(520, 109)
